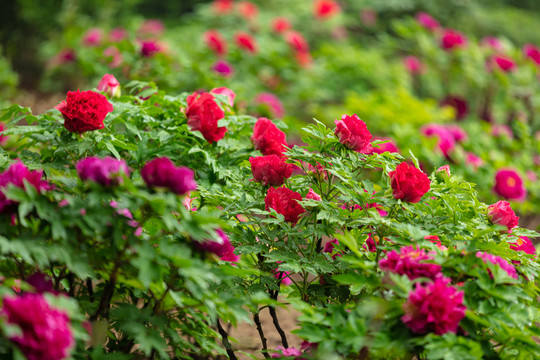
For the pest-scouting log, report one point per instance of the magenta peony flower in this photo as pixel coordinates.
(41, 283)
(497, 260)
(492, 42)
(411, 262)
(473, 160)
(503, 63)
(532, 52)
(223, 68)
(353, 133)
(17, 174)
(118, 34)
(222, 248)
(3, 138)
(434, 307)
(46, 333)
(312, 195)
(509, 185)
(106, 171)
(149, 48)
(389, 146)
(329, 248)
(427, 21)
(113, 56)
(453, 39)
(151, 28)
(524, 244)
(282, 275)
(286, 352)
(501, 213)
(161, 172)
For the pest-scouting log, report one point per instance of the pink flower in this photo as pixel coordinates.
(222, 248)
(228, 93)
(502, 130)
(17, 174)
(312, 195)
(444, 170)
(434, 307)
(215, 42)
(501, 213)
(524, 244)
(65, 56)
(149, 48)
(223, 7)
(246, 42)
(427, 21)
(497, 260)
(413, 65)
(532, 52)
(492, 42)
(118, 34)
(109, 85)
(46, 333)
(325, 9)
(503, 63)
(509, 185)
(281, 25)
(286, 352)
(473, 160)
(113, 57)
(270, 170)
(414, 263)
(107, 171)
(151, 28)
(247, 10)
(329, 248)
(296, 41)
(3, 138)
(459, 104)
(436, 240)
(353, 133)
(389, 146)
(283, 276)
(446, 142)
(272, 103)
(223, 68)
(93, 37)
(452, 39)
(161, 172)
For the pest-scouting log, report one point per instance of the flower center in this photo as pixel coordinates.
(511, 182)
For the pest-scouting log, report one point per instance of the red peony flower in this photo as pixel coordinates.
(285, 202)
(325, 9)
(222, 248)
(353, 133)
(109, 85)
(246, 42)
(268, 138)
(215, 42)
(106, 171)
(452, 39)
(281, 25)
(524, 244)
(509, 185)
(434, 307)
(503, 63)
(270, 170)
(414, 263)
(203, 114)
(46, 333)
(296, 41)
(427, 21)
(161, 172)
(408, 183)
(501, 213)
(499, 261)
(150, 48)
(223, 6)
(84, 111)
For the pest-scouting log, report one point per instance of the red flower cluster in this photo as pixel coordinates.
(84, 111)
(268, 138)
(411, 262)
(203, 114)
(408, 183)
(285, 202)
(434, 307)
(270, 170)
(161, 172)
(353, 133)
(501, 213)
